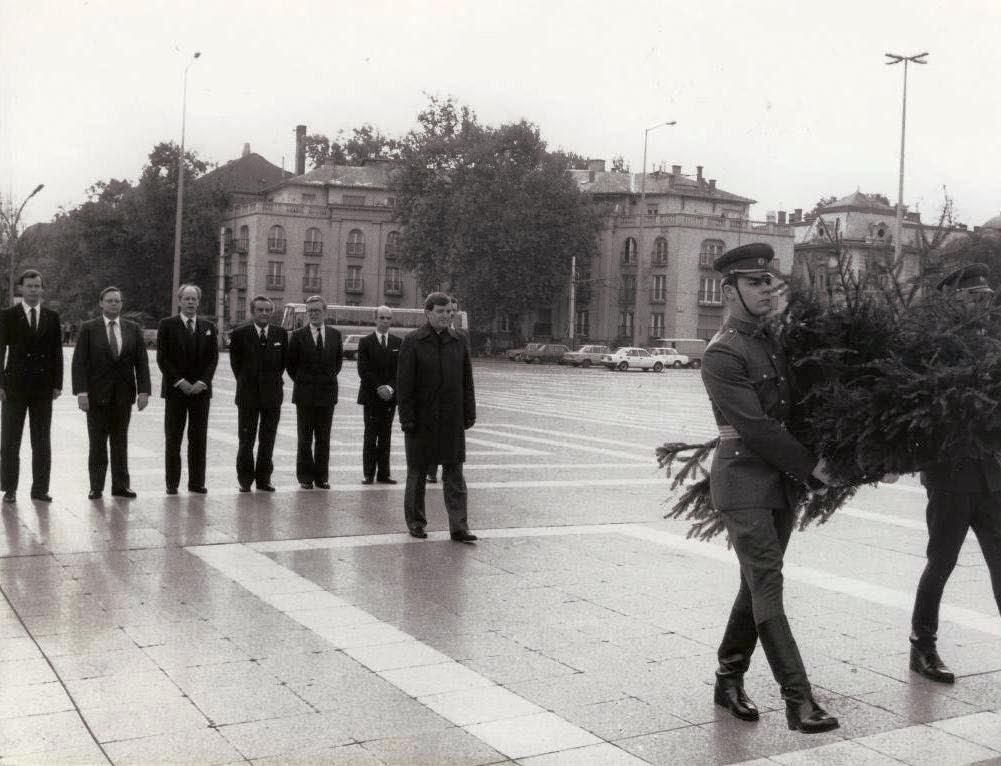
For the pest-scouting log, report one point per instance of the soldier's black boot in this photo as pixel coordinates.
(926, 662)
(734, 656)
(924, 627)
(802, 712)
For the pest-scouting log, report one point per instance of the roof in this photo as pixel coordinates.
(658, 183)
(993, 223)
(250, 174)
(859, 202)
(375, 175)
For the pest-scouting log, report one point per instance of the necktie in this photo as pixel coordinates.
(264, 338)
(319, 340)
(34, 320)
(382, 339)
(191, 326)
(112, 339)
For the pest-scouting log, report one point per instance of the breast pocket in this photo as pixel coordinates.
(770, 387)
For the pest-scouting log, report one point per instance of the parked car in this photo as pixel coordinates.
(549, 352)
(515, 354)
(350, 346)
(585, 356)
(670, 357)
(693, 348)
(630, 357)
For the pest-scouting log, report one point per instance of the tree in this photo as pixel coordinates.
(489, 213)
(619, 165)
(364, 143)
(822, 203)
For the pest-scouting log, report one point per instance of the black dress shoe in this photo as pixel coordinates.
(306, 484)
(95, 494)
(171, 490)
(927, 663)
(322, 485)
(10, 497)
(265, 488)
(418, 533)
(387, 480)
(198, 490)
(42, 497)
(809, 717)
(368, 481)
(244, 488)
(464, 537)
(729, 694)
(124, 492)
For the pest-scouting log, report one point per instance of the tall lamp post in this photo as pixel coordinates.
(898, 237)
(641, 246)
(176, 283)
(11, 225)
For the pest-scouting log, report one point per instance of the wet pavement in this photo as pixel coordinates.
(306, 627)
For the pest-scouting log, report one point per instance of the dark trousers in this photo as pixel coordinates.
(759, 537)
(109, 425)
(193, 410)
(12, 415)
(248, 419)
(454, 489)
(312, 455)
(949, 516)
(378, 436)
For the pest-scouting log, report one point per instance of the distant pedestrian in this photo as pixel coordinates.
(187, 352)
(315, 356)
(378, 354)
(110, 374)
(258, 354)
(32, 361)
(432, 474)
(437, 405)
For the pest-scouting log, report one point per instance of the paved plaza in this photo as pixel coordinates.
(306, 627)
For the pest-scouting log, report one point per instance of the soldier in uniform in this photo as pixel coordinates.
(963, 494)
(755, 470)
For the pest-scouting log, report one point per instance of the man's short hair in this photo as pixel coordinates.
(380, 309)
(264, 298)
(436, 299)
(30, 274)
(315, 298)
(187, 286)
(111, 289)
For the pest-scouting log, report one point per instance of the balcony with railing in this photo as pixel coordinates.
(355, 249)
(392, 252)
(354, 286)
(312, 248)
(311, 284)
(627, 297)
(282, 208)
(624, 331)
(276, 245)
(699, 221)
(275, 282)
(658, 296)
(658, 261)
(393, 287)
(239, 281)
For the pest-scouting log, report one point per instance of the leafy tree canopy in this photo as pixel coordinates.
(364, 143)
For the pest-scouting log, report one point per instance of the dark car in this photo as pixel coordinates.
(550, 352)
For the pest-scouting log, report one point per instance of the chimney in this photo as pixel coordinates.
(770, 216)
(246, 150)
(797, 215)
(596, 166)
(675, 170)
(782, 217)
(300, 149)
(698, 174)
(712, 183)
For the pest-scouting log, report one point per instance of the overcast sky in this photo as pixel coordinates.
(781, 102)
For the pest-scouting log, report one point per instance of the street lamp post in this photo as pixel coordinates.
(898, 237)
(176, 283)
(11, 224)
(641, 245)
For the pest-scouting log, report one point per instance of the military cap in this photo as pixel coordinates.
(745, 260)
(972, 276)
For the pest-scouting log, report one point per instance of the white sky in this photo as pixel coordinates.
(780, 101)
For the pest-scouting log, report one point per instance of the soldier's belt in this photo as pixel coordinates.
(728, 432)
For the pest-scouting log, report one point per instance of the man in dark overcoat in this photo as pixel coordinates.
(31, 357)
(110, 374)
(378, 354)
(755, 470)
(437, 405)
(315, 356)
(963, 493)
(187, 352)
(258, 352)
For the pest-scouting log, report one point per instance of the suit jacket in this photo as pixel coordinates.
(103, 378)
(183, 356)
(745, 375)
(377, 367)
(32, 362)
(258, 371)
(315, 374)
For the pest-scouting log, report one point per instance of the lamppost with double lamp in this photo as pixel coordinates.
(176, 283)
(898, 237)
(638, 315)
(11, 224)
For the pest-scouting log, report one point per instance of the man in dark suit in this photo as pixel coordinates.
(258, 353)
(963, 493)
(437, 405)
(187, 352)
(110, 373)
(378, 354)
(314, 359)
(32, 378)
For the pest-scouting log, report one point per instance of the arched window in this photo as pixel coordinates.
(243, 242)
(276, 240)
(660, 251)
(314, 242)
(356, 243)
(711, 250)
(392, 245)
(629, 251)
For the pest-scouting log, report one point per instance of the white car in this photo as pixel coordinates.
(630, 357)
(670, 357)
(350, 347)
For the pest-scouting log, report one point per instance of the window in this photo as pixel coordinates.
(658, 293)
(241, 309)
(314, 242)
(353, 199)
(356, 243)
(354, 283)
(503, 323)
(390, 201)
(244, 240)
(311, 277)
(227, 239)
(711, 250)
(308, 198)
(276, 279)
(627, 292)
(625, 324)
(582, 324)
(660, 251)
(629, 251)
(651, 210)
(392, 245)
(710, 292)
(394, 284)
(657, 325)
(276, 240)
